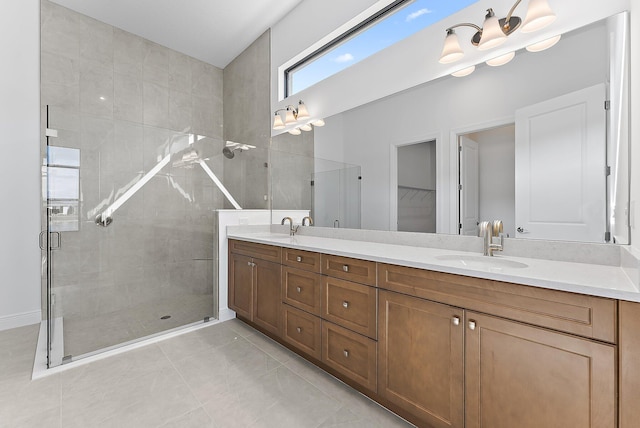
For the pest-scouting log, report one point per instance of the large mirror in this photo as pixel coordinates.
(532, 143)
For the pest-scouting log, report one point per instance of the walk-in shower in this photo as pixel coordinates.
(129, 216)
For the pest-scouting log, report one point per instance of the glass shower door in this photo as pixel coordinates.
(128, 248)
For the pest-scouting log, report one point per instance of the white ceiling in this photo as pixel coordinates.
(214, 31)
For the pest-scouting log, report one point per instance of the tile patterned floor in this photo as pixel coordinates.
(223, 376)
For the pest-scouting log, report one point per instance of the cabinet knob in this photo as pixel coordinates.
(248, 263)
(472, 325)
(298, 259)
(345, 304)
(455, 320)
(345, 268)
(299, 329)
(299, 289)
(346, 353)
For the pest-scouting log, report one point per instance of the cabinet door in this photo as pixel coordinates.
(528, 377)
(420, 358)
(241, 285)
(266, 296)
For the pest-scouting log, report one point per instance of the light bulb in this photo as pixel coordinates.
(451, 51)
(539, 15)
(277, 122)
(492, 34)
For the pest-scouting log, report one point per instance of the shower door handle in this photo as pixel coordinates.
(51, 247)
(58, 241)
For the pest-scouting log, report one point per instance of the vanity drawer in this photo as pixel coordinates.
(588, 316)
(350, 305)
(351, 354)
(301, 259)
(362, 271)
(302, 330)
(301, 289)
(259, 251)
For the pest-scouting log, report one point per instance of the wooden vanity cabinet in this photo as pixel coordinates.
(528, 377)
(446, 350)
(254, 284)
(421, 358)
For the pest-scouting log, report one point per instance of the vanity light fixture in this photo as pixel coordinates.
(291, 115)
(545, 44)
(494, 31)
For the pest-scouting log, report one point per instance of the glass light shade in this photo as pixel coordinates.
(464, 72)
(492, 34)
(318, 122)
(545, 44)
(295, 131)
(277, 122)
(289, 117)
(302, 111)
(501, 60)
(451, 51)
(306, 127)
(539, 15)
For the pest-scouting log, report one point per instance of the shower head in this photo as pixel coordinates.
(229, 153)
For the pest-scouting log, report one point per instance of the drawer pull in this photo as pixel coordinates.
(472, 325)
(299, 329)
(299, 289)
(455, 320)
(345, 304)
(345, 268)
(346, 353)
(298, 259)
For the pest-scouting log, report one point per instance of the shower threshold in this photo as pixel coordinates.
(40, 369)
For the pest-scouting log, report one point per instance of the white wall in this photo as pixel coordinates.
(19, 163)
(447, 106)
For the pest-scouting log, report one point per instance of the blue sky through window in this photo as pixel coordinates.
(398, 25)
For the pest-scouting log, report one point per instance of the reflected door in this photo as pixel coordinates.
(469, 187)
(561, 168)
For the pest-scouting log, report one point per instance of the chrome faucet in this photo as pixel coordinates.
(310, 220)
(488, 230)
(292, 229)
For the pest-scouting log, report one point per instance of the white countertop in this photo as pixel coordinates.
(595, 280)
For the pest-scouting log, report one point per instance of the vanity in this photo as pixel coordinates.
(443, 340)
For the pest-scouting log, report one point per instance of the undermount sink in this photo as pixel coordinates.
(481, 261)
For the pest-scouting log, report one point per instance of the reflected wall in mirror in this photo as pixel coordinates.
(329, 190)
(492, 98)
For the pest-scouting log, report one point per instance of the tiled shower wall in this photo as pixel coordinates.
(285, 161)
(121, 100)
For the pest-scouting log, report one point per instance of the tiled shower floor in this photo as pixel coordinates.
(222, 376)
(85, 335)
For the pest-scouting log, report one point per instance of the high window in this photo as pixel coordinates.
(397, 21)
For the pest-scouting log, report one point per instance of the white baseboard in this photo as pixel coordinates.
(226, 314)
(19, 320)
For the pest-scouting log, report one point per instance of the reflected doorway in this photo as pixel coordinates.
(486, 178)
(417, 187)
